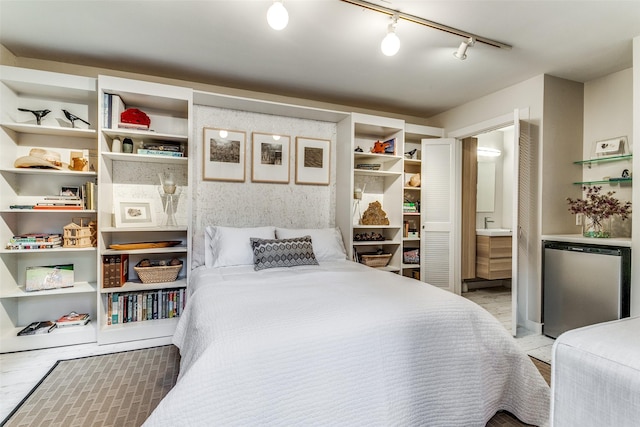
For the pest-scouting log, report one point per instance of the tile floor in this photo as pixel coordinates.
(21, 371)
(497, 301)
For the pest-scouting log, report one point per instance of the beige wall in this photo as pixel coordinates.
(635, 248)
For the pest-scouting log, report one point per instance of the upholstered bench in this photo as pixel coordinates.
(595, 375)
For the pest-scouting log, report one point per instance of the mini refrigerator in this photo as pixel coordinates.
(583, 284)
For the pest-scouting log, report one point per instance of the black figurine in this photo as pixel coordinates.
(73, 118)
(409, 154)
(38, 113)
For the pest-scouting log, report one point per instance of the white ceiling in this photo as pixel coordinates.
(330, 49)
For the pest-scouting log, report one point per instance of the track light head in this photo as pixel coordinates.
(391, 43)
(277, 15)
(461, 53)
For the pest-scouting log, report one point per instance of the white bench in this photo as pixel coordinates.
(595, 376)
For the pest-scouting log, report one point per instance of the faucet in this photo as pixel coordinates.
(487, 220)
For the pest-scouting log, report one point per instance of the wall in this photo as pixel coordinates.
(635, 246)
(248, 204)
(608, 113)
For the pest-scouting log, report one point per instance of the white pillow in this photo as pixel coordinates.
(327, 242)
(232, 246)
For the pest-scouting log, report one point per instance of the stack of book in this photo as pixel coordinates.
(73, 319)
(162, 149)
(36, 328)
(60, 203)
(35, 241)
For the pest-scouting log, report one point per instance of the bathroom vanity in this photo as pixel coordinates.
(493, 254)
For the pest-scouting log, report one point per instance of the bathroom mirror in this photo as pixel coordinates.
(486, 187)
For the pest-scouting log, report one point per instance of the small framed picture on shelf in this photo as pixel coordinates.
(70, 191)
(224, 155)
(270, 158)
(312, 160)
(135, 213)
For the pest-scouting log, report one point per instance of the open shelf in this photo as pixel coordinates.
(604, 159)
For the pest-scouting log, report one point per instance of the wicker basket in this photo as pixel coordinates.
(158, 274)
(375, 260)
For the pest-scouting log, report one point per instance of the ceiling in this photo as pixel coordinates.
(330, 51)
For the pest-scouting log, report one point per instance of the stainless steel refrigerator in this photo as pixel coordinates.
(583, 284)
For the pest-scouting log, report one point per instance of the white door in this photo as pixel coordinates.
(524, 207)
(439, 213)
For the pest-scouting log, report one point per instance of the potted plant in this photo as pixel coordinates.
(597, 209)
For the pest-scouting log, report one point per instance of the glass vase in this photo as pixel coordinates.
(595, 227)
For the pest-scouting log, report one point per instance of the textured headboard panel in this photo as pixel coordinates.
(250, 204)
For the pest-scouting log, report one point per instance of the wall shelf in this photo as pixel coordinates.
(606, 181)
(590, 162)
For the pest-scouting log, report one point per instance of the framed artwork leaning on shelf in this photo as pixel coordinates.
(224, 155)
(134, 213)
(312, 160)
(270, 158)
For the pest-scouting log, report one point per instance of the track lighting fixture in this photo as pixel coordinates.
(391, 43)
(461, 53)
(277, 15)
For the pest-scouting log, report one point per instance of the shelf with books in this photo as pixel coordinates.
(135, 286)
(44, 154)
(10, 341)
(144, 135)
(145, 158)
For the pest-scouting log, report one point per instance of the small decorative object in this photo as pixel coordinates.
(312, 161)
(411, 154)
(625, 173)
(135, 213)
(597, 210)
(38, 113)
(116, 146)
(169, 192)
(390, 147)
(39, 278)
(411, 256)
(374, 215)
(611, 147)
(414, 181)
(224, 155)
(40, 158)
(78, 234)
(72, 118)
(379, 147)
(357, 197)
(368, 166)
(368, 237)
(127, 145)
(135, 116)
(270, 158)
(358, 149)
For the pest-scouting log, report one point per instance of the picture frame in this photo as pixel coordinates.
(70, 191)
(134, 213)
(224, 155)
(270, 158)
(313, 157)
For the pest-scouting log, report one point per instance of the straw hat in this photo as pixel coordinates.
(41, 158)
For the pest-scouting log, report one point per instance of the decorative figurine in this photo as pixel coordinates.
(38, 113)
(410, 154)
(358, 149)
(72, 118)
(380, 147)
(374, 215)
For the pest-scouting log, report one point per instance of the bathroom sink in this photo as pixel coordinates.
(493, 232)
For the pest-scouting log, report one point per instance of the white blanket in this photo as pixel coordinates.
(342, 344)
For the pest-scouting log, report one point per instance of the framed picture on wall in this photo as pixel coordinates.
(224, 155)
(270, 158)
(134, 213)
(312, 161)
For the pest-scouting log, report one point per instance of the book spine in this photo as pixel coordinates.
(114, 304)
(106, 110)
(117, 107)
(159, 152)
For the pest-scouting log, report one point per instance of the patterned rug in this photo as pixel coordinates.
(122, 389)
(118, 389)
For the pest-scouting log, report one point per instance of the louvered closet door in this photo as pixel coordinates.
(438, 208)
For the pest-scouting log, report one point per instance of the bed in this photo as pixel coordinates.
(338, 343)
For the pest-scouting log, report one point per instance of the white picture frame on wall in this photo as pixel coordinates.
(270, 158)
(134, 213)
(223, 155)
(312, 161)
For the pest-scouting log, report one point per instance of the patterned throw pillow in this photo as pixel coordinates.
(271, 253)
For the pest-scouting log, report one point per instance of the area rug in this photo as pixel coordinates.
(117, 389)
(122, 389)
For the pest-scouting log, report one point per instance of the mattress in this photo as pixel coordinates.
(342, 344)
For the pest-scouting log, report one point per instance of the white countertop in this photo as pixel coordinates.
(579, 238)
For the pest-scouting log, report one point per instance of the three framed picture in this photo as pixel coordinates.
(225, 151)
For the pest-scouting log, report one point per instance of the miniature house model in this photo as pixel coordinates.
(81, 233)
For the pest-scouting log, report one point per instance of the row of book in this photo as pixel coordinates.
(35, 241)
(72, 319)
(71, 198)
(127, 307)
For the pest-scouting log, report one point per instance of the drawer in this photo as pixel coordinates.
(493, 247)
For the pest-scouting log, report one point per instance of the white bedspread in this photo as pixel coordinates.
(342, 344)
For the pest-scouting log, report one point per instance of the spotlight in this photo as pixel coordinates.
(277, 15)
(461, 53)
(391, 43)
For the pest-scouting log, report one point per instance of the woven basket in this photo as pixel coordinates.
(376, 260)
(159, 274)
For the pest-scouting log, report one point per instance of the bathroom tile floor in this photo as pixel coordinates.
(497, 301)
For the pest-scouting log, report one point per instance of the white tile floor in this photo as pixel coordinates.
(497, 301)
(21, 371)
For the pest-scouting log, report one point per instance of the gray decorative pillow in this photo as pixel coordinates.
(271, 253)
